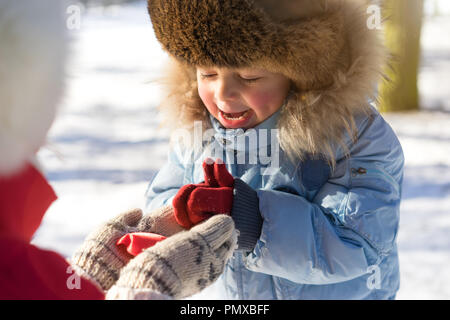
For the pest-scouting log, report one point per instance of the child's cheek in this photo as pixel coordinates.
(206, 96)
(260, 99)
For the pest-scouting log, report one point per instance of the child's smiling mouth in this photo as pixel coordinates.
(235, 116)
(235, 120)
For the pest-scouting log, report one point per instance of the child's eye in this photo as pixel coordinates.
(250, 80)
(207, 76)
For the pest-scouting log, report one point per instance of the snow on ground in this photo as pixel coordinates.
(104, 147)
(424, 236)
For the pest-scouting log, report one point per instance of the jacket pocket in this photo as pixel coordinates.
(374, 177)
(372, 208)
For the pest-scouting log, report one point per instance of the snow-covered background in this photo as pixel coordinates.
(105, 147)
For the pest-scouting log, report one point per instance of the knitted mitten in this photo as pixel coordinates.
(161, 221)
(181, 265)
(99, 259)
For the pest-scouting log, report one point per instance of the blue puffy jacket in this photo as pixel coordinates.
(326, 234)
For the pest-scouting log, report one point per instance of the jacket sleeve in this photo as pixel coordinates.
(169, 179)
(350, 224)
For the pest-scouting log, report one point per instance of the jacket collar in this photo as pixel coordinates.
(247, 139)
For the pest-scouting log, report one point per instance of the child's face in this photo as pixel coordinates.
(241, 98)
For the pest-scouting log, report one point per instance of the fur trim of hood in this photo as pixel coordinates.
(318, 114)
(32, 56)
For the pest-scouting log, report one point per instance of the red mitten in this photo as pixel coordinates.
(181, 198)
(136, 242)
(179, 204)
(197, 202)
(216, 174)
(206, 201)
(222, 177)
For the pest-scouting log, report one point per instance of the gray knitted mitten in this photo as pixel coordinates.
(100, 260)
(181, 265)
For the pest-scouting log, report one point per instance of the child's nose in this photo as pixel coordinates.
(227, 90)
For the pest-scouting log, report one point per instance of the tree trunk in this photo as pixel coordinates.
(403, 26)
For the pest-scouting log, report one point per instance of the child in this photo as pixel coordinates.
(290, 81)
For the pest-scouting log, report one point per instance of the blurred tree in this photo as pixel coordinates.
(403, 24)
(436, 10)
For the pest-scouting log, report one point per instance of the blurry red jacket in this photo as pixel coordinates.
(27, 272)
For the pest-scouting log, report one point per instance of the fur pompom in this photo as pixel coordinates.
(33, 52)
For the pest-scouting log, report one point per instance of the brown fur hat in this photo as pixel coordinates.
(324, 46)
